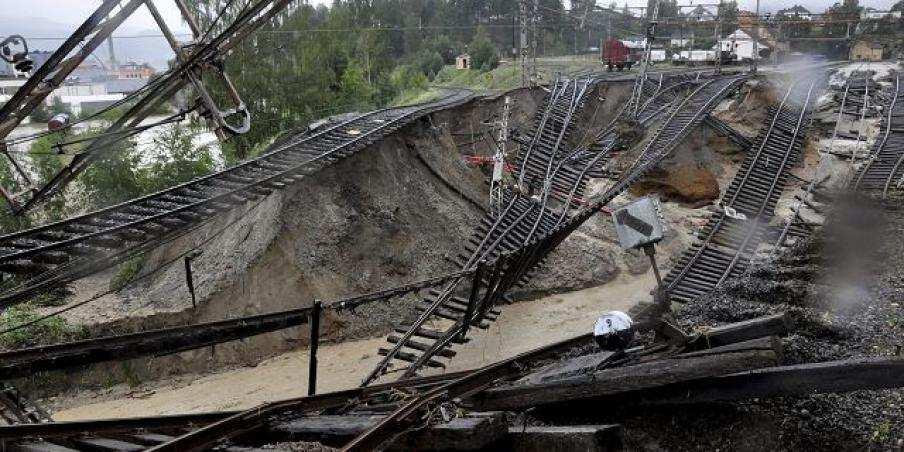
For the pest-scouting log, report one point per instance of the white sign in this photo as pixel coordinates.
(638, 223)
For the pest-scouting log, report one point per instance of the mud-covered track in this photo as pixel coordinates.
(529, 226)
(77, 246)
(885, 168)
(201, 431)
(542, 166)
(726, 243)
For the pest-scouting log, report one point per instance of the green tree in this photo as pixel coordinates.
(114, 177)
(353, 85)
(8, 221)
(175, 160)
(428, 62)
(47, 162)
(483, 52)
(40, 114)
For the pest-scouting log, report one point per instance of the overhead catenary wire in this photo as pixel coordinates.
(131, 254)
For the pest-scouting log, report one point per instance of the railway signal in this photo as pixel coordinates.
(639, 225)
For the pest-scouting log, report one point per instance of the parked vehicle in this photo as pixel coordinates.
(617, 55)
(701, 57)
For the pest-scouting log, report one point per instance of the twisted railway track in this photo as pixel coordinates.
(60, 252)
(469, 301)
(884, 170)
(726, 243)
(525, 220)
(504, 250)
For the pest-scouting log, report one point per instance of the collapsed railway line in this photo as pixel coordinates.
(60, 252)
(522, 217)
(518, 244)
(528, 219)
(726, 243)
(884, 169)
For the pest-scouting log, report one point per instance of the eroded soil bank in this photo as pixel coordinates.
(388, 215)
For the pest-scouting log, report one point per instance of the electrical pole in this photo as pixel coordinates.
(534, 77)
(499, 159)
(641, 78)
(756, 38)
(525, 17)
(718, 37)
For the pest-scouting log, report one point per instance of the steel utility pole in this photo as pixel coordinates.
(525, 73)
(718, 37)
(499, 159)
(645, 63)
(756, 38)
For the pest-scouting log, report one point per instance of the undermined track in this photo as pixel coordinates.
(885, 168)
(508, 245)
(726, 243)
(63, 251)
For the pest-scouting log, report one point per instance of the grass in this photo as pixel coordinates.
(48, 331)
(505, 77)
(502, 78)
(128, 270)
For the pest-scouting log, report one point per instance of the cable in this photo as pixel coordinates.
(218, 17)
(131, 96)
(145, 275)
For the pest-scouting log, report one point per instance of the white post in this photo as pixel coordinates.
(756, 38)
(499, 159)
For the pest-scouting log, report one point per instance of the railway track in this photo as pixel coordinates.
(15, 408)
(414, 344)
(63, 251)
(795, 226)
(660, 95)
(524, 221)
(204, 430)
(726, 243)
(884, 170)
(517, 245)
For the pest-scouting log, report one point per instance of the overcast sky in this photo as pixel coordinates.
(73, 12)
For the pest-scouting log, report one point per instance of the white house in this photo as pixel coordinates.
(741, 44)
(872, 13)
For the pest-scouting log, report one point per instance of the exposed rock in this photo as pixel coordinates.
(686, 182)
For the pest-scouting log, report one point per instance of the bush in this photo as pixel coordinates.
(446, 74)
(428, 63)
(406, 77)
(39, 114)
(176, 160)
(48, 331)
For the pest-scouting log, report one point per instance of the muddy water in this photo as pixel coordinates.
(521, 327)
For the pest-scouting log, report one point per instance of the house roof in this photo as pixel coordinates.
(700, 11)
(870, 43)
(796, 9)
(741, 35)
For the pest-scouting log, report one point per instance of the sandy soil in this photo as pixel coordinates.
(521, 327)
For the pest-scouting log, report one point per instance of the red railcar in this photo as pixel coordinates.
(615, 54)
